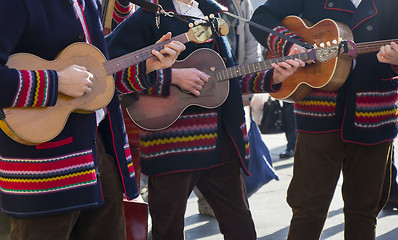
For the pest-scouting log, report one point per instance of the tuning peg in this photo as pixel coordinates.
(211, 15)
(190, 25)
(322, 45)
(196, 23)
(334, 42)
(315, 46)
(328, 44)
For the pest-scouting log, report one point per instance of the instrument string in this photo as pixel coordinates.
(369, 46)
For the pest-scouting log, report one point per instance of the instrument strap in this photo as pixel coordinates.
(261, 27)
(158, 9)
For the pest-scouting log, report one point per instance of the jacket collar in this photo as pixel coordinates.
(367, 9)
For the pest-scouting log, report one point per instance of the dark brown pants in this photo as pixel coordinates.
(222, 187)
(318, 161)
(106, 222)
(4, 225)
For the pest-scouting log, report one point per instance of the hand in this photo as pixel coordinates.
(189, 79)
(75, 81)
(166, 57)
(138, 199)
(296, 49)
(285, 69)
(388, 54)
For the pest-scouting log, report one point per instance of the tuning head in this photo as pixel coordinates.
(328, 51)
(223, 28)
(202, 30)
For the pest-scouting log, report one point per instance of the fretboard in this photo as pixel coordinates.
(237, 71)
(117, 64)
(368, 47)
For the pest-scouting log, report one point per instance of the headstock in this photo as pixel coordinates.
(202, 30)
(331, 50)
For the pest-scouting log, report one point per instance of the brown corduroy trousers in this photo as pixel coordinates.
(222, 187)
(319, 159)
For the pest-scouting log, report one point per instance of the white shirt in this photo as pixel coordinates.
(190, 9)
(100, 114)
(356, 2)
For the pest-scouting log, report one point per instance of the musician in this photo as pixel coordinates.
(72, 186)
(349, 130)
(115, 12)
(204, 147)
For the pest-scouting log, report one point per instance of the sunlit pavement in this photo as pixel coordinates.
(271, 213)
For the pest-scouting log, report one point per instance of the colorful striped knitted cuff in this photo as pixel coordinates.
(162, 88)
(134, 78)
(165, 78)
(37, 88)
(122, 10)
(270, 79)
(253, 83)
(280, 45)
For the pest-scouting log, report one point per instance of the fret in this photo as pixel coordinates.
(252, 66)
(117, 64)
(237, 71)
(227, 74)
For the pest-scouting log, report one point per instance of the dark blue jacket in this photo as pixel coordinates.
(60, 175)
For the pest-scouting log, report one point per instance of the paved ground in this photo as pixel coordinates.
(271, 214)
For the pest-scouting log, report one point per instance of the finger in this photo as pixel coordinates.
(90, 83)
(394, 46)
(278, 69)
(293, 63)
(390, 52)
(165, 37)
(202, 79)
(88, 90)
(196, 92)
(203, 76)
(387, 50)
(294, 51)
(80, 67)
(199, 82)
(177, 46)
(168, 51)
(90, 76)
(158, 55)
(380, 57)
(285, 66)
(301, 62)
(381, 54)
(382, 51)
